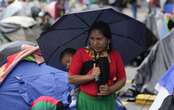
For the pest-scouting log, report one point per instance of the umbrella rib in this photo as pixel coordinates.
(66, 43)
(127, 37)
(82, 20)
(119, 21)
(98, 16)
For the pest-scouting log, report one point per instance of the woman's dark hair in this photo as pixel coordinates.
(103, 28)
(66, 51)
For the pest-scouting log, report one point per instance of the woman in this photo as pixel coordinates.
(101, 80)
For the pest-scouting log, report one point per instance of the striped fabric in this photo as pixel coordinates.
(14, 59)
(46, 103)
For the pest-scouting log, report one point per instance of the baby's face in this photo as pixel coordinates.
(66, 60)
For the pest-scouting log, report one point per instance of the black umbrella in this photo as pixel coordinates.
(71, 30)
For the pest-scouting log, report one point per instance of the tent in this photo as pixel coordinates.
(156, 21)
(17, 8)
(165, 89)
(155, 64)
(19, 28)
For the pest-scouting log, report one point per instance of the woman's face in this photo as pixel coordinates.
(98, 41)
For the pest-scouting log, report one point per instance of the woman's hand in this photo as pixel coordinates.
(81, 79)
(95, 71)
(104, 90)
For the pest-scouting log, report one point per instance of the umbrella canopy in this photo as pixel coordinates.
(155, 64)
(71, 30)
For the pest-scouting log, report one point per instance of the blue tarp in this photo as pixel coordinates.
(167, 80)
(28, 81)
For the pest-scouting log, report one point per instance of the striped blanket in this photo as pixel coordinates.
(14, 59)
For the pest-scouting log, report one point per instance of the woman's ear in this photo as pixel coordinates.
(108, 41)
(88, 44)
